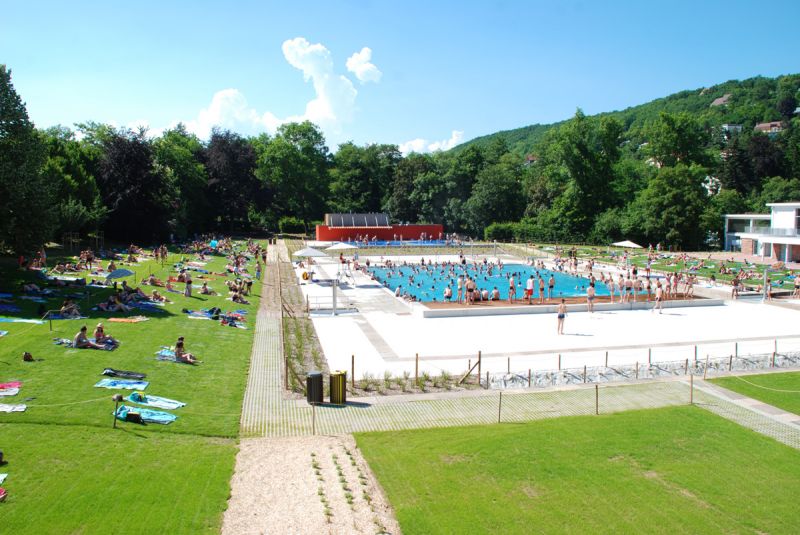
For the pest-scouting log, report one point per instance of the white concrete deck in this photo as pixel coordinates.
(386, 333)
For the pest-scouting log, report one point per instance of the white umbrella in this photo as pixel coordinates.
(341, 247)
(309, 252)
(627, 243)
(119, 274)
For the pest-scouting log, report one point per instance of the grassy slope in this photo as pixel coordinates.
(789, 401)
(80, 475)
(677, 470)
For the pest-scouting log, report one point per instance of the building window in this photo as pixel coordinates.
(797, 219)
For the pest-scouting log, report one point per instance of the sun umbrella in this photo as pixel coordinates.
(309, 252)
(341, 247)
(627, 243)
(119, 274)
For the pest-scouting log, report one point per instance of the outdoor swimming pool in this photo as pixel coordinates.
(428, 283)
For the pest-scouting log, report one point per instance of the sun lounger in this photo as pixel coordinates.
(125, 374)
(123, 384)
(154, 401)
(12, 408)
(147, 415)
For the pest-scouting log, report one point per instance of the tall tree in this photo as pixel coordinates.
(736, 170)
(677, 138)
(230, 162)
(26, 196)
(361, 177)
(400, 205)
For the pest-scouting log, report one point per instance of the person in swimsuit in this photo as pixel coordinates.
(590, 293)
(562, 313)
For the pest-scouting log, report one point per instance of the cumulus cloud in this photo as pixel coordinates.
(360, 64)
(333, 105)
(423, 145)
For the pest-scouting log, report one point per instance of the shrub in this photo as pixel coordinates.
(503, 232)
(291, 225)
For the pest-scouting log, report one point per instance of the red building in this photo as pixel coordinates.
(349, 227)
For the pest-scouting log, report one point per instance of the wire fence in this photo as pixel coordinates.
(704, 367)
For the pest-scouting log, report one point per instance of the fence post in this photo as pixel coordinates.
(286, 372)
(584, 373)
(559, 362)
(499, 406)
(596, 398)
(508, 370)
(695, 355)
(637, 369)
(529, 377)
(416, 370)
(487, 379)
(773, 360)
(649, 356)
(736, 349)
(775, 348)
(479, 371)
(313, 418)
(730, 363)
(469, 365)
(606, 359)
(353, 370)
(691, 389)
(705, 371)
(686, 367)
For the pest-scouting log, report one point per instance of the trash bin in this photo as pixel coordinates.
(339, 387)
(314, 387)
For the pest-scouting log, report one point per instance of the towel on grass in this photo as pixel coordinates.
(123, 384)
(12, 384)
(7, 392)
(125, 374)
(20, 320)
(132, 319)
(168, 355)
(148, 416)
(12, 408)
(154, 401)
(66, 342)
(34, 298)
(3, 478)
(4, 295)
(9, 308)
(148, 305)
(60, 317)
(3, 333)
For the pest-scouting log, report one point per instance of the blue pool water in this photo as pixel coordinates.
(430, 281)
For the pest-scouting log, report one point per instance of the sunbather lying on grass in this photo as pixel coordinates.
(81, 341)
(158, 298)
(152, 281)
(238, 298)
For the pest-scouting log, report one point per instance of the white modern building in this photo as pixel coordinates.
(775, 235)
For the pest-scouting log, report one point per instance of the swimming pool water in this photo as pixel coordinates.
(430, 281)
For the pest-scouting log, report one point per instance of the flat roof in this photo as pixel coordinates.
(797, 203)
(750, 216)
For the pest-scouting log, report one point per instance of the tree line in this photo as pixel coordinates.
(591, 179)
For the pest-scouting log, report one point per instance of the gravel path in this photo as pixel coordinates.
(315, 485)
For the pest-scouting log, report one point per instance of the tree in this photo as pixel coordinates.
(134, 193)
(178, 155)
(399, 204)
(676, 138)
(777, 189)
(26, 196)
(361, 177)
(736, 170)
(295, 165)
(496, 195)
(230, 162)
(727, 201)
(766, 156)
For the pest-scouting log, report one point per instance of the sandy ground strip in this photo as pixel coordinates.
(318, 484)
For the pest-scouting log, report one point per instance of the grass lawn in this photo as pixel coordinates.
(675, 470)
(176, 475)
(779, 389)
(76, 479)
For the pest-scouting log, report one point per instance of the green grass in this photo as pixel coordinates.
(68, 418)
(75, 479)
(779, 389)
(676, 470)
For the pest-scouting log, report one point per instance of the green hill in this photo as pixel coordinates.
(751, 101)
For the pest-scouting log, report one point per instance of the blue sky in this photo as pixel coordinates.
(435, 72)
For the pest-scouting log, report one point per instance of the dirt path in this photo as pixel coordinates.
(318, 484)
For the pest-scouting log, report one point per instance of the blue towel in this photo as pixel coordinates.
(125, 384)
(149, 416)
(60, 317)
(9, 308)
(5, 295)
(155, 401)
(20, 320)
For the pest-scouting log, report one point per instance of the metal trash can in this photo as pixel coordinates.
(339, 387)
(314, 387)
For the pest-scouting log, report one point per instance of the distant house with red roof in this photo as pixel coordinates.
(770, 128)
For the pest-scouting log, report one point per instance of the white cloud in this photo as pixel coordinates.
(423, 145)
(360, 65)
(333, 105)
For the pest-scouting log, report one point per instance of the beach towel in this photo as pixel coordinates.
(132, 319)
(123, 384)
(9, 308)
(8, 392)
(12, 384)
(20, 320)
(58, 316)
(148, 416)
(111, 372)
(154, 401)
(168, 355)
(6, 296)
(3, 478)
(12, 408)
(3, 333)
(147, 305)
(34, 298)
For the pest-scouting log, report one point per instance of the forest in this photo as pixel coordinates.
(662, 172)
